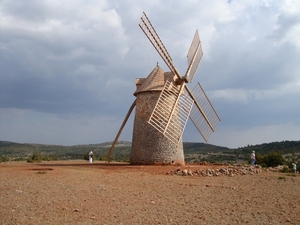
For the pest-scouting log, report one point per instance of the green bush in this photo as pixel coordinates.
(102, 158)
(259, 159)
(263, 165)
(286, 169)
(36, 157)
(293, 158)
(273, 159)
(4, 158)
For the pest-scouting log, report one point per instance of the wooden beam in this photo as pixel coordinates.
(120, 130)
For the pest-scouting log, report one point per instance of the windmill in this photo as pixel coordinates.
(164, 103)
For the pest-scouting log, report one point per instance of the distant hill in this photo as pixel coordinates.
(193, 151)
(22, 151)
(212, 153)
(286, 147)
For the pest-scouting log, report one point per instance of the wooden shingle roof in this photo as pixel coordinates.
(154, 82)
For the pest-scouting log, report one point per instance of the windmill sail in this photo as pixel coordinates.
(194, 56)
(171, 112)
(207, 121)
(153, 37)
(175, 105)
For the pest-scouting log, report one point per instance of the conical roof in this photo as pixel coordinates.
(154, 82)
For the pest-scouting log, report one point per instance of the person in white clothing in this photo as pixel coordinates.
(91, 156)
(253, 160)
(294, 167)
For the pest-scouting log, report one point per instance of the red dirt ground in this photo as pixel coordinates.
(76, 192)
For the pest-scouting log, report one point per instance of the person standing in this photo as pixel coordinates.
(294, 167)
(253, 160)
(91, 156)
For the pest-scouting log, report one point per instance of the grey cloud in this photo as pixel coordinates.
(284, 24)
(80, 59)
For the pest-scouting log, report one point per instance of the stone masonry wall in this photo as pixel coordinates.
(148, 145)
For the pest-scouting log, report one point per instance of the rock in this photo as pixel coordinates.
(185, 172)
(209, 171)
(222, 170)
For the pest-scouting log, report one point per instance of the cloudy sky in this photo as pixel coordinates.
(68, 68)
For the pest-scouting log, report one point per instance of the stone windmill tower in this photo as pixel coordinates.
(148, 144)
(163, 105)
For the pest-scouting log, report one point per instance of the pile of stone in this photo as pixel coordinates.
(223, 171)
(279, 168)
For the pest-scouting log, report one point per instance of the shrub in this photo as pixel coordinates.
(102, 158)
(259, 159)
(286, 169)
(263, 165)
(4, 158)
(293, 159)
(273, 159)
(36, 157)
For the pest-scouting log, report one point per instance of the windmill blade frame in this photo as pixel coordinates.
(205, 118)
(194, 57)
(171, 112)
(153, 37)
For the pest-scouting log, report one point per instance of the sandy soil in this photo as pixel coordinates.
(76, 192)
